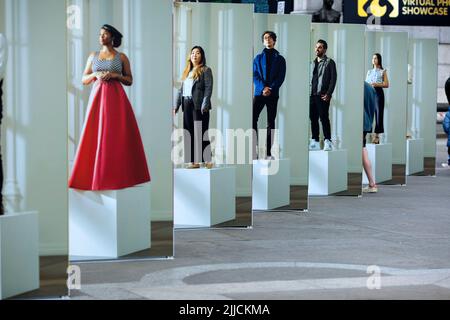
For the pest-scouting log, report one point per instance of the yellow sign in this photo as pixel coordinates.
(398, 12)
(378, 10)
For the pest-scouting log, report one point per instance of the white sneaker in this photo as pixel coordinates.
(314, 145)
(327, 145)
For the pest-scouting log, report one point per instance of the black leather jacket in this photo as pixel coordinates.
(329, 77)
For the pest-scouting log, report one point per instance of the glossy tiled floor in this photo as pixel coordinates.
(402, 232)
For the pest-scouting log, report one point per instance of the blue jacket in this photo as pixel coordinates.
(446, 125)
(277, 73)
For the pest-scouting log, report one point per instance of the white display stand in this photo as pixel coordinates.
(19, 253)
(414, 156)
(380, 156)
(271, 187)
(204, 197)
(109, 224)
(327, 172)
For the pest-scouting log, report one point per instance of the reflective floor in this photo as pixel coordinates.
(429, 165)
(322, 254)
(354, 185)
(243, 214)
(162, 242)
(53, 278)
(398, 175)
(299, 199)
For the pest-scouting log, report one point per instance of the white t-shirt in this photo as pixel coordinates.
(187, 85)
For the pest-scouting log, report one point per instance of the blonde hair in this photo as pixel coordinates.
(197, 71)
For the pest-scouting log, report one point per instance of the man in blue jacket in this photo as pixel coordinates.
(269, 71)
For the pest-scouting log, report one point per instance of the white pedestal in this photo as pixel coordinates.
(109, 224)
(19, 254)
(327, 172)
(414, 156)
(270, 188)
(380, 156)
(204, 197)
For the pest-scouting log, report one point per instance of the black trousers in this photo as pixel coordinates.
(196, 140)
(258, 105)
(379, 111)
(318, 109)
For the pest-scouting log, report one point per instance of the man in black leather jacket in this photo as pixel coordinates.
(322, 87)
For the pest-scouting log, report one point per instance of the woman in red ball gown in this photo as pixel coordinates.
(110, 155)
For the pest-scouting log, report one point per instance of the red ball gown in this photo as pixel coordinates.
(110, 155)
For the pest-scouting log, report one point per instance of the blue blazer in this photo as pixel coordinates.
(277, 73)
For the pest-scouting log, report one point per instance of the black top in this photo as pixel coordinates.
(269, 58)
